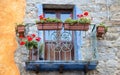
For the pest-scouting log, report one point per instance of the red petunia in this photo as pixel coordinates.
(86, 13)
(38, 39)
(22, 43)
(29, 39)
(33, 35)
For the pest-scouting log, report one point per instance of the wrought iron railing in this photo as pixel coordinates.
(60, 51)
(60, 45)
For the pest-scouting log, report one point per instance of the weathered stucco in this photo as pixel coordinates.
(11, 12)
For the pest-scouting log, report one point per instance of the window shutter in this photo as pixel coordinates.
(77, 36)
(40, 12)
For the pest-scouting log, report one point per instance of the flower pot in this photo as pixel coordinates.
(81, 27)
(30, 54)
(21, 35)
(20, 28)
(33, 53)
(49, 26)
(100, 30)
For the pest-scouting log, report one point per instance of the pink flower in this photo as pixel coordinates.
(22, 43)
(86, 13)
(80, 15)
(38, 39)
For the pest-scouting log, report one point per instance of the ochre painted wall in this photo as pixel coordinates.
(11, 12)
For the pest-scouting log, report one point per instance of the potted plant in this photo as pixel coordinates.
(101, 29)
(20, 29)
(31, 43)
(81, 24)
(49, 23)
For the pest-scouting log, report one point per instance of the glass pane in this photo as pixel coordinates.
(50, 14)
(65, 15)
(67, 35)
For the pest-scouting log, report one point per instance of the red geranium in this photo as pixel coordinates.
(22, 43)
(29, 39)
(86, 13)
(33, 35)
(38, 39)
(41, 17)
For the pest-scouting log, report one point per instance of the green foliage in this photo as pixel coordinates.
(31, 44)
(49, 20)
(103, 25)
(70, 21)
(53, 20)
(84, 20)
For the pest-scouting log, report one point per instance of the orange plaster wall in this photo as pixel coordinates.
(11, 12)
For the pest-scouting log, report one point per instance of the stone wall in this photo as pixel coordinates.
(109, 48)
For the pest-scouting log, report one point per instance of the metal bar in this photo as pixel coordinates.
(38, 48)
(59, 56)
(54, 55)
(65, 55)
(70, 55)
(93, 28)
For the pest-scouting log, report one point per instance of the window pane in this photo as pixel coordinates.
(50, 14)
(67, 34)
(65, 15)
(48, 33)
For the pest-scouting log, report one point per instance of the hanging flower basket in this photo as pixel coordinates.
(20, 28)
(82, 27)
(49, 26)
(100, 31)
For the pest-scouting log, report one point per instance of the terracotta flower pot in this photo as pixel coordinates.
(81, 27)
(20, 28)
(49, 26)
(101, 29)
